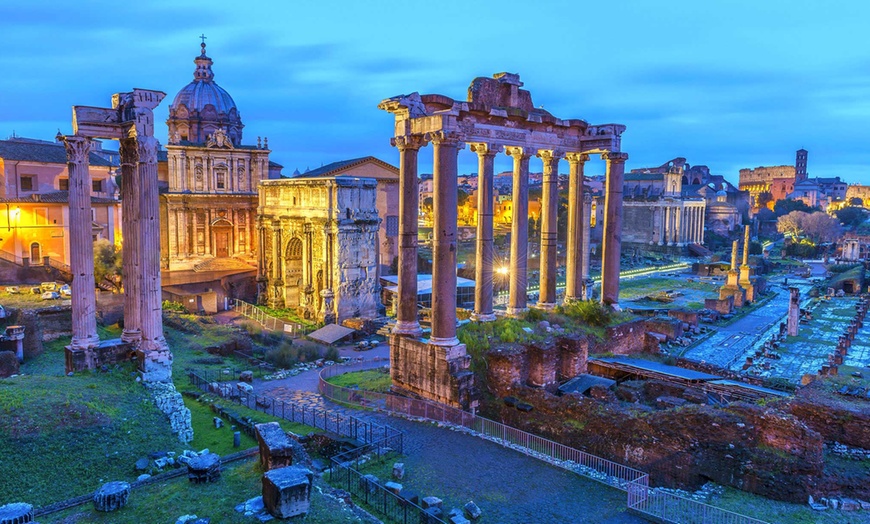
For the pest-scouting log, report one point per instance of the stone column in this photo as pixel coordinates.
(794, 311)
(701, 226)
(409, 206)
(519, 231)
(130, 184)
(549, 229)
(277, 294)
(577, 221)
(611, 240)
(667, 225)
(678, 226)
(746, 248)
(662, 230)
(483, 259)
(585, 248)
(81, 246)
(155, 361)
(444, 172)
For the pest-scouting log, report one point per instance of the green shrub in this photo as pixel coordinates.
(176, 307)
(589, 312)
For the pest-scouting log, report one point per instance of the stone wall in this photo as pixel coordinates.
(631, 338)
(723, 306)
(639, 224)
(9, 364)
(756, 449)
(685, 315)
(41, 325)
(434, 372)
(836, 419)
(543, 364)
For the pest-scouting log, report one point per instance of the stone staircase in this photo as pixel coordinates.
(386, 325)
(223, 264)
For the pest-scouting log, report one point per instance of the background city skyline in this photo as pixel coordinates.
(730, 86)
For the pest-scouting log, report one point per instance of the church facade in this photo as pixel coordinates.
(209, 180)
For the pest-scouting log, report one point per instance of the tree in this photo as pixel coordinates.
(851, 216)
(107, 264)
(461, 197)
(784, 207)
(792, 224)
(820, 227)
(764, 198)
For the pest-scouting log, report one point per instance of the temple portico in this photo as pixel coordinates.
(498, 116)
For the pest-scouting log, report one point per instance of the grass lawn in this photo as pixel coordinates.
(167, 501)
(369, 380)
(775, 511)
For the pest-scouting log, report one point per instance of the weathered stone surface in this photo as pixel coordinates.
(9, 364)
(204, 468)
(472, 511)
(246, 376)
(170, 402)
(393, 487)
(276, 450)
(836, 420)
(431, 502)
(444, 378)
(16, 513)
(111, 496)
(142, 464)
(287, 491)
(399, 470)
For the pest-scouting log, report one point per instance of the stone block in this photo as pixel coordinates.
(849, 505)
(276, 450)
(431, 516)
(111, 496)
(9, 364)
(16, 513)
(472, 511)
(246, 376)
(287, 491)
(369, 483)
(409, 496)
(399, 470)
(204, 468)
(394, 487)
(459, 519)
(431, 502)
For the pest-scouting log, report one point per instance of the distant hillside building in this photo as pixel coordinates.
(791, 183)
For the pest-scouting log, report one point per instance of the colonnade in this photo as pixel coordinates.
(680, 224)
(446, 146)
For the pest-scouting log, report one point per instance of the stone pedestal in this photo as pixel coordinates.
(287, 491)
(276, 450)
(111, 496)
(204, 468)
(794, 311)
(16, 513)
(431, 371)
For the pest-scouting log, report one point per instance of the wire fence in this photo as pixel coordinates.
(641, 498)
(291, 329)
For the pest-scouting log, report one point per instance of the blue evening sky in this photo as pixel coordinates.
(727, 84)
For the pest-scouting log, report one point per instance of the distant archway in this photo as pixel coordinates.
(293, 272)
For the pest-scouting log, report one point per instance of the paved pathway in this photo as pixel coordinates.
(508, 486)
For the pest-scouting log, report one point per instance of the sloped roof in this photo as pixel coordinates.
(335, 168)
(54, 197)
(41, 152)
(330, 333)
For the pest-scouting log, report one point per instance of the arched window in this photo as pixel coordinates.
(35, 252)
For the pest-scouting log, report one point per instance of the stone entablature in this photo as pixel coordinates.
(320, 244)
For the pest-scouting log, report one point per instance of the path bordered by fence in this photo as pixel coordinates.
(642, 499)
(268, 321)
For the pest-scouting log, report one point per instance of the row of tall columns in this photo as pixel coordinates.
(81, 245)
(680, 225)
(130, 227)
(446, 146)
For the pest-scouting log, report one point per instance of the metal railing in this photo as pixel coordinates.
(269, 322)
(666, 506)
(327, 420)
(59, 265)
(10, 257)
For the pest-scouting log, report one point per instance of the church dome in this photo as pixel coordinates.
(203, 107)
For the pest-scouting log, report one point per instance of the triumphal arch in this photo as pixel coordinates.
(497, 116)
(130, 120)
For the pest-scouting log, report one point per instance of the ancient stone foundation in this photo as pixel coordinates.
(16, 513)
(170, 402)
(541, 365)
(111, 496)
(107, 352)
(287, 491)
(430, 371)
(204, 468)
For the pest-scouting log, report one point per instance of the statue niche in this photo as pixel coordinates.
(293, 273)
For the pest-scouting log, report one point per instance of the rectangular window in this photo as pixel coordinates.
(40, 216)
(392, 226)
(63, 184)
(221, 180)
(243, 238)
(97, 186)
(27, 182)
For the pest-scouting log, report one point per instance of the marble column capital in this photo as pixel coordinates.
(576, 158)
(518, 152)
(77, 148)
(549, 155)
(147, 148)
(615, 157)
(412, 142)
(128, 150)
(483, 149)
(445, 138)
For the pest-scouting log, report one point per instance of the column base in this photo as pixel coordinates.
(483, 317)
(444, 341)
(516, 311)
(546, 306)
(131, 336)
(84, 343)
(571, 300)
(411, 329)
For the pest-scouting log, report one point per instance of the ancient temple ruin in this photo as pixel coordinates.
(130, 120)
(497, 116)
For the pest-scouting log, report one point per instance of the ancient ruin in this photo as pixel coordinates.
(732, 287)
(794, 311)
(497, 116)
(745, 270)
(130, 120)
(320, 247)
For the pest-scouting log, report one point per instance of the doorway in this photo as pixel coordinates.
(35, 254)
